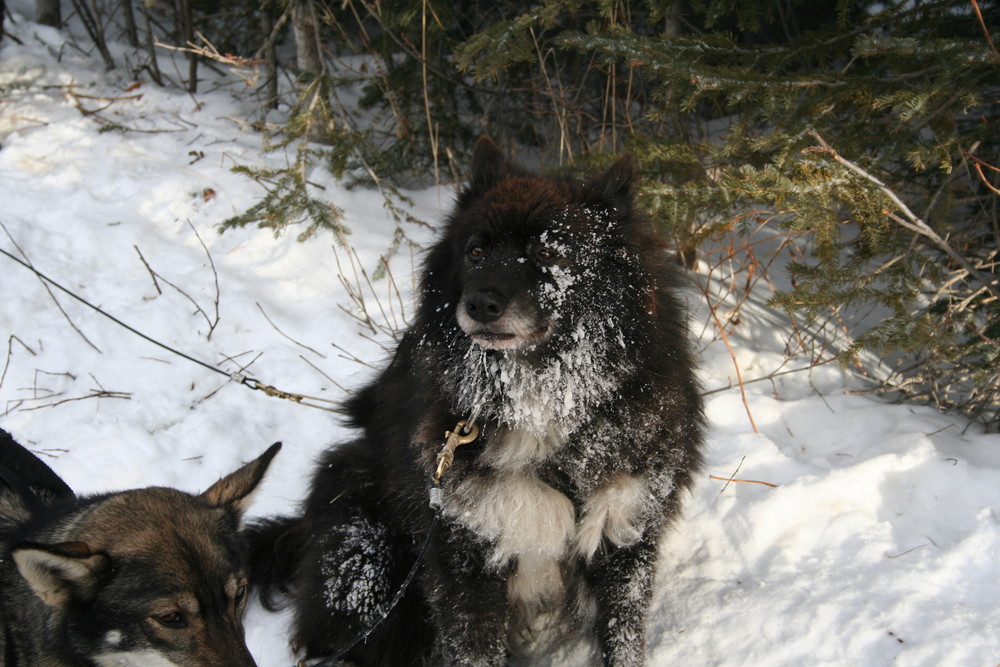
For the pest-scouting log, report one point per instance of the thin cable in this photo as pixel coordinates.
(332, 660)
(112, 317)
(247, 381)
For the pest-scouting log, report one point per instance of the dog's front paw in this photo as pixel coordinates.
(614, 511)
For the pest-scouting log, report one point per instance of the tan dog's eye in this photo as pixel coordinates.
(172, 620)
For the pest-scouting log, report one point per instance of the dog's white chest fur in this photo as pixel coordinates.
(534, 526)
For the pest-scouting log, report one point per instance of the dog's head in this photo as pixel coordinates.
(151, 576)
(539, 293)
(523, 256)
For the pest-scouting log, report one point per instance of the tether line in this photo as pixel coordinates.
(243, 379)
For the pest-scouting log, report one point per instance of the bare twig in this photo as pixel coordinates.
(246, 69)
(271, 322)
(210, 321)
(10, 353)
(94, 393)
(978, 164)
(899, 555)
(345, 354)
(982, 23)
(733, 476)
(152, 274)
(771, 376)
(215, 277)
(49, 290)
(744, 481)
(359, 285)
(720, 327)
(318, 370)
(909, 220)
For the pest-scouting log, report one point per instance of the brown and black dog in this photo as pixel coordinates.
(150, 577)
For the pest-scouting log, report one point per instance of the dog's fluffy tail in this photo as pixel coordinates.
(275, 547)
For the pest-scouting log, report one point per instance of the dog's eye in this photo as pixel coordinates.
(173, 620)
(546, 254)
(476, 253)
(240, 593)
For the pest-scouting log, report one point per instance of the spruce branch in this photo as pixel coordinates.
(910, 220)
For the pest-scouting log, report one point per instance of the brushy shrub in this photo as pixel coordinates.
(862, 136)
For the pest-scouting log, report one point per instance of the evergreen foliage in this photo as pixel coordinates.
(863, 134)
(288, 200)
(847, 120)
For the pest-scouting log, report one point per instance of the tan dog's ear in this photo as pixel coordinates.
(234, 489)
(60, 572)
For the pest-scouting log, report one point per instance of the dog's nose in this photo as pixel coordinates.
(485, 305)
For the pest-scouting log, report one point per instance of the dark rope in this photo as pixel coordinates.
(250, 382)
(112, 317)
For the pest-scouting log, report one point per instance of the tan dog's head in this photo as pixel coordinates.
(150, 576)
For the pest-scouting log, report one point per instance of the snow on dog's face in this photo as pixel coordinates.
(539, 282)
(526, 248)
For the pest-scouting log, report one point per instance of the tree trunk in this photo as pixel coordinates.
(130, 30)
(314, 99)
(185, 30)
(48, 12)
(306, 31)
(270, 56)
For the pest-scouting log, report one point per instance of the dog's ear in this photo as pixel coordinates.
(61, 572)
(234, 489)
(615, 185)
(489, 165)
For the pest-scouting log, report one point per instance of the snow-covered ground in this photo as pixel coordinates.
(878, 543)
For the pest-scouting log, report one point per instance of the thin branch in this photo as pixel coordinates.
(318, 370)
(246, 69)
(771, 376)
(720, 327)
(49, 290)
(271, 322)
(215, 276)
(912, 221)
(94, 393)
(152, 274)
(744, 481)
(10, 353)
(986, 32)
(733, 475)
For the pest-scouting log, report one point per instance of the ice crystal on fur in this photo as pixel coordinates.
(558, 390)
(355, 579)
(536, 390)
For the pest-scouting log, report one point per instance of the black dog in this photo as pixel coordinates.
(548, 313)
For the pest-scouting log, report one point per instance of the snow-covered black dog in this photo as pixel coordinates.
(549, 314)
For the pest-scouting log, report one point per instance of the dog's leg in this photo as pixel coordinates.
(469, 601)
(621, 581)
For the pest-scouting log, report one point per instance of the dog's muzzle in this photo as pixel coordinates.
(494, 323)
